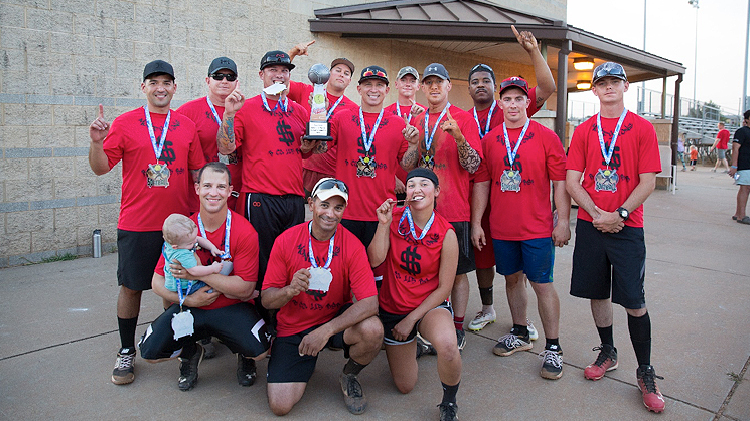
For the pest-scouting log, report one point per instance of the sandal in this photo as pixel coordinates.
(745, 220)
(734, 218)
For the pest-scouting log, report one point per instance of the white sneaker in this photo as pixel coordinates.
(533, 333)
(481, 320)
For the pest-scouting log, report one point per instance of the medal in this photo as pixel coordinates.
(511, 180)
(489, 118)
(182, 324)
(366, 164)
(320, 277)
(157, 175)
(428, 160)
(606, 180)
(407, 216)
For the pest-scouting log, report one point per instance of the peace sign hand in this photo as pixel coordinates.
(99, 128)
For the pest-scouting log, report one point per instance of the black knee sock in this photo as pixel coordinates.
(605, 335)
(353, 367)
(127, 331)
(486, 295)
(449, 392)
(188, 350)
(640, 336)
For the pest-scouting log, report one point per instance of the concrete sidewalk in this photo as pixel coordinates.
(58, 339)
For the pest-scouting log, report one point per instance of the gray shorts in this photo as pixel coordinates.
(722, 153)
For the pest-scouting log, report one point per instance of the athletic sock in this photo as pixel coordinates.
(459, 322)
(640, 336)
(486, 295)
(188, 350)
(605, 335)
(353, 367)
(127, 331)
(449, 393)
(520, 330)
(553, 345)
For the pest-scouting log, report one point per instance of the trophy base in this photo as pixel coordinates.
(316, 137)
(318, 130)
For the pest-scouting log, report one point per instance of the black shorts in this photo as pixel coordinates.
(364, 230)
(137, 256)
(465, 248)
(270, 216)
(238, 326)
(287, 366)
(609, 263)
(390, 321)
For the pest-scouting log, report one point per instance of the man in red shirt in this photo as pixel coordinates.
(721, 144)
(314, 271)
(207, 112)
(452, 149)
(616, 154)
(323, 165)
(159, 150)
(482, 86)
(222, 308)
(521, 158)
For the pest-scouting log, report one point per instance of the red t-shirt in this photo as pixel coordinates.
(349, 266)
(323, 163)
(453, 201)
(723, 137)
(198, 111)
(271, 157)
(636, 152)
(366, 194)
(497, 114)
(243, 246)
(526, 214)
(412, 266)
(143, 208)
(405, 111)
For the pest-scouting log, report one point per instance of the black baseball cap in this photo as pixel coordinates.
(276, 57)
(514, 82)
(221, 63)
(373, 72)
(611, 69)
(482, 68)
(158, 67)
(436, 69)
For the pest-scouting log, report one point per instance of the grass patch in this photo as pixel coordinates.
(59, 258)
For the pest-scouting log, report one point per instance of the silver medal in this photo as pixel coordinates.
(320, 279)
(157, 175)
(182, 324)
(606, 180)
(510, 181)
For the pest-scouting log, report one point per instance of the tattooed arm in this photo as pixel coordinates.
(467, 156)
(225, 135)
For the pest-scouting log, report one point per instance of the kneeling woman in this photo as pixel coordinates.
(421, 253)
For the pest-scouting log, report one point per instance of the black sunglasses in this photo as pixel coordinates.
(609, 69)
(329, 184)
(221, 76)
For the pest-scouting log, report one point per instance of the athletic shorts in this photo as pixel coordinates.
(536, 258)
(364, 230)
(485, 258)
(605, 264)
(390, 321)
(237, 326)
(287, 366)
(137, 256)
(722, 153)
(744, 178)
(693, 162)
(465, 249)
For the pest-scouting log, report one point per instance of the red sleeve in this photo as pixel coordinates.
(196, 159)
(361, 278)
(239, 125)
(276, 273)
(533, 107)
(556, 159)
(577, 149)
(296, 91)
(649, 159)
(113, 142)
(245, 251)
(483, 172)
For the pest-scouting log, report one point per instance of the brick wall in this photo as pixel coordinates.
(59, 59)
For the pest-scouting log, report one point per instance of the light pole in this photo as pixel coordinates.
(694, 3)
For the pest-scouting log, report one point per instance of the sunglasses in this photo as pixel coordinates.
(277, 59)
(222, 76)
(330, 184)
(378, 73)
(479, 67)
(514, 82)
(609, 69)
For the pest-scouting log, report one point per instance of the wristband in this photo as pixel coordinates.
(734, 166)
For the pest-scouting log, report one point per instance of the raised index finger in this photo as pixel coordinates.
(515, 32)
(101, 111)
(310, 43)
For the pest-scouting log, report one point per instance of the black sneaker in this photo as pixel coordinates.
(209, 350)
(354, 398)
(189, 370)
(424, 347)
(461, 339)
(510, 344)
(552, 367)
(123, 372)
(448, 411)
(246, 371)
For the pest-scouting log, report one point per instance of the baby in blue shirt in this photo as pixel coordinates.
(180, 241)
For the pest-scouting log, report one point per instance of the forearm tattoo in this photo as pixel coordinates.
(322, 147)
(468, 157)
(411, 159)
(225, 135)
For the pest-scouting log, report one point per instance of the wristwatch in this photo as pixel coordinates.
(624, 213)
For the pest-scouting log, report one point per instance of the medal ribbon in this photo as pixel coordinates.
(398, 111)
(367, 141)
(489, 117)
(265, 103)
(157, 149)
(313, 263)
(428, 138)
(226, 254)
(213, 111)
(512, 154)
(608, 154)
(407, 215)
(335, 104)
(176, 279)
